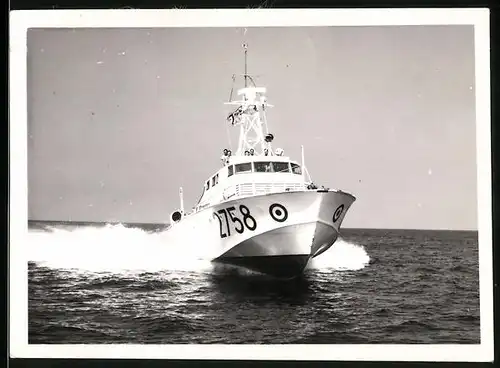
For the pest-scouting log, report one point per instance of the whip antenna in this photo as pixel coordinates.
(245, 46)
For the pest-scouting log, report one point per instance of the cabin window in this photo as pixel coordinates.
(281, 167)
(243, 168)
(262, 166)
(215, 179)
(296, 169)
(230, 170)
(207, 185)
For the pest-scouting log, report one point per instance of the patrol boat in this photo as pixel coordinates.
(260, 210)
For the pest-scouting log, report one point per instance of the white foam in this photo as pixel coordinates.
(116, 248)
(112, 248)
(342, 256)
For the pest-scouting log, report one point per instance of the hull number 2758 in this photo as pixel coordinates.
(243, 220)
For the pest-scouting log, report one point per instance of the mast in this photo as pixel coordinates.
(181, 199)
(303, 164)
(245, 46)
(250, 116)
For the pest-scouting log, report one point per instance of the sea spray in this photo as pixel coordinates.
(342, 256)
(113, 248)
(116, 248)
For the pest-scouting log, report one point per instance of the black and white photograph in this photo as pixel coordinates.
(253, 180)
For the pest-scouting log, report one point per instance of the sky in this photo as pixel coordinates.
(119, 119)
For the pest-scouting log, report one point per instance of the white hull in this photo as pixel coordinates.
(275, 234)
(259, 210)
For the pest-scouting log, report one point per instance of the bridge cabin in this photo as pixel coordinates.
(244, 176)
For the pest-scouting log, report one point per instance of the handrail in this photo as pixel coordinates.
(251, 189)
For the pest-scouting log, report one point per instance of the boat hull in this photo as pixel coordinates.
(275, 234)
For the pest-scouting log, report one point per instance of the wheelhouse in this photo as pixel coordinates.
(244, 175)
(264, 167)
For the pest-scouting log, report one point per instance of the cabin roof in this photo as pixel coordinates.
(243, 159)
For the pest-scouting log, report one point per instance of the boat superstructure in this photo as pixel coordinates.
(261, 210)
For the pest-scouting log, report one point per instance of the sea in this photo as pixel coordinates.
(120, 284)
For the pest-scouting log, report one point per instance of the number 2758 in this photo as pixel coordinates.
(240, 221)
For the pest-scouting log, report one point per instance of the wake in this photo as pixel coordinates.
(115, 248)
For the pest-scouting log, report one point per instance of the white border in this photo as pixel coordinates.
(20, 21)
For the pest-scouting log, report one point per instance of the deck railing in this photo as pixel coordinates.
(249, 189)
